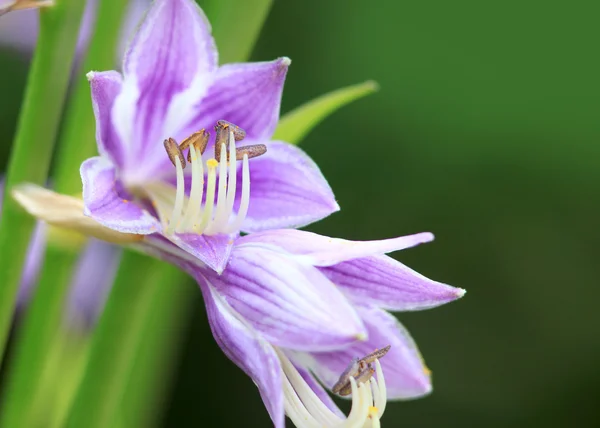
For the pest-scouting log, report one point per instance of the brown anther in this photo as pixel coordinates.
(252, 151)
(174, 151)
(375, 355)
(223, 134)
(351, 371)
(198, 140)
(363, 377)
(359, 369)
(238, 133)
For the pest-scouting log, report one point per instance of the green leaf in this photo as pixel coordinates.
(294, 126)
(34, 143)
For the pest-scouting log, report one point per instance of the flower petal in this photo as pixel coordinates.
(287, 190)
(247, 94)
(321, 250)
(105, 87)
(247, 349)
(168, 68)
(291, 305)
(66, 212)
(405, 374)
(107, 203)
(387, 283)
(213, 250)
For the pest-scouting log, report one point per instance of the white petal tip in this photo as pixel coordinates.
(285, 61)
(90, 76)
(460, 292)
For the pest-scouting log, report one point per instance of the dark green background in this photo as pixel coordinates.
(486, 132)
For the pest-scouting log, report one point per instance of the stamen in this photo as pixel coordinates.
(252, 151)
(212, 217)
(238, 133)
(174, 151)
(305, 408)
(198, 140)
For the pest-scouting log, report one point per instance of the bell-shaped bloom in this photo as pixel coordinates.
(293, 305)
(170, 96)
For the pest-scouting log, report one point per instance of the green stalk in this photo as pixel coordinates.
(236, 26)
(34, 142)
(157, 355)
(22, 400)
(27, 379)
(118, 336)
(78, 140)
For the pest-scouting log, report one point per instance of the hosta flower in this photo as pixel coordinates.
(293, 304)
(171, 96)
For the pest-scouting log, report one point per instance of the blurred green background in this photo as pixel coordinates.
(486, 131)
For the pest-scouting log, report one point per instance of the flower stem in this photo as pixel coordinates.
(22, 398)
(34, 142)
(118, 338)
(156, 356)
(78, 140)
(235, 42)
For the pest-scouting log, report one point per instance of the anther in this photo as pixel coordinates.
(375, 355)
(223, 134)
(238, 133)
(174, 151)
(359, 369)
(198, 140)
(252, 151)
(363, 377)
(351, 371)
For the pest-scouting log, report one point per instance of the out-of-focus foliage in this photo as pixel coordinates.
(486, 131)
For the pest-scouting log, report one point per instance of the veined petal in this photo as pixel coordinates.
(406, 376)
(168, 68)
(247, 94)
(105, 87)
(292, 305)
(108, 204)
(66, 212)
(212, 250)
(287, 190)
(387, 283)
(247, 349)
(321, 250)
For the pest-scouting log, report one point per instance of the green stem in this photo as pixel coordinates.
(35, 340)
(78, 140)
(236, 26)
(116, 341)
(164, 328)
(34, 142)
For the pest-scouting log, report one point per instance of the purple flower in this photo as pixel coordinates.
(292, 305)
(171, 93)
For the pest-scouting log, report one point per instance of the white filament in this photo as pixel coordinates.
(306, 410)
(210, 218)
